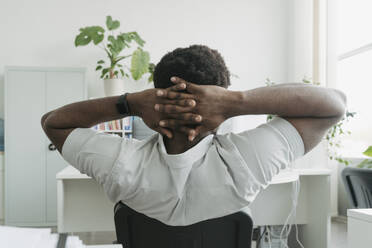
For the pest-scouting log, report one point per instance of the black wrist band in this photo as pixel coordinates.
(122, 105)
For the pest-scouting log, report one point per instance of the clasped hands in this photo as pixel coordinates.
(185, 107)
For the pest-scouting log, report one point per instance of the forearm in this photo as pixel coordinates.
(59, 123)
(83, 114)
(289, 100)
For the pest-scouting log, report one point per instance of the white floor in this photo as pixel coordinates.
(339, 232)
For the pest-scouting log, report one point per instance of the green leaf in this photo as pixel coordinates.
(131, 36)
(116, 45)
(140, 63)
(122, 57)
(122, 72)
(151, 78)
(111, 24)
(82, 39)
(151, 71)
(368, 152)
(104, 72)
(367, 163)
(99, 67)
(100, 61)
(151, 67)
(88, 34)
(137, 39)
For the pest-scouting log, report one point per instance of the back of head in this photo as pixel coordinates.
(197, 64)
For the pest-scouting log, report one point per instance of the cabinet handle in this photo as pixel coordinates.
(52, 147)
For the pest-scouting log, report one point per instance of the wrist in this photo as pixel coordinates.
(132, 99)
(233, 100)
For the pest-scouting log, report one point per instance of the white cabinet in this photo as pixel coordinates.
(1, 186)
(30, 166)
(359, 228)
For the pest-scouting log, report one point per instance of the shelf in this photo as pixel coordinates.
(112, 131)
(124, 123)
(115, 131)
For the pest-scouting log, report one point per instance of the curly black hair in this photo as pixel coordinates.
(197, 64)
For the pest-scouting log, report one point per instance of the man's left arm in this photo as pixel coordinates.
(59, 123)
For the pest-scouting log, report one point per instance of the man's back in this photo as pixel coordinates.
(218, 176)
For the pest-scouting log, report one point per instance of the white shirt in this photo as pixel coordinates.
(219, 176)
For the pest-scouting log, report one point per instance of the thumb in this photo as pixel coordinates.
(196, 132)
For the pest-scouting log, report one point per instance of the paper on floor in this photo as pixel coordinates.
(19, 237)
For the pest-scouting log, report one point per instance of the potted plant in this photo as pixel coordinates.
(112, 71)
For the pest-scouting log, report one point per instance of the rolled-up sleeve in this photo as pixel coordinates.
(269, 148)
(92, 152)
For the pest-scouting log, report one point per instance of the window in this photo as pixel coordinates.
(355, 71)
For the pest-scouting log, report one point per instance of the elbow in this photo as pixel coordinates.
(44, 121)
(342, 96)
(341, 104)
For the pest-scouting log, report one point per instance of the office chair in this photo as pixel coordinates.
(358, 185)
(136, 230)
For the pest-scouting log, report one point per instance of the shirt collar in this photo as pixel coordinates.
(188, 157)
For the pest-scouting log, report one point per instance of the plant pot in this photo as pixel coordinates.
(113, 87)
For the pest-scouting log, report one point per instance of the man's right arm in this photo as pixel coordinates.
(311, 110)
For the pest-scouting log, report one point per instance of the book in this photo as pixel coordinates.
(124, 126)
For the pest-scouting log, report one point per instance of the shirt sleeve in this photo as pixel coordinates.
(92, 152)
(269, 148)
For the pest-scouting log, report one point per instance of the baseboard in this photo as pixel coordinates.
(340, 218)
(334, 214)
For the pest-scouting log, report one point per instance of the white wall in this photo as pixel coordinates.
(300, 40)
(252, 35)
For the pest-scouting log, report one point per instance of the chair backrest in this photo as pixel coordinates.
(358, 185)
(136, 230)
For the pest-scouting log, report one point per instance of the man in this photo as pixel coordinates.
(191, 174)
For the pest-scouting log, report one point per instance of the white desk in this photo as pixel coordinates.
(272, 206)
(359, 228)
(75, 192)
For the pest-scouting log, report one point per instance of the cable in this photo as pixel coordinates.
(292, 215)
(260, 237)
(269, 236)
(287, 227)
(297, 194)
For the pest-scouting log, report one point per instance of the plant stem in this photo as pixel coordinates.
(112, 75)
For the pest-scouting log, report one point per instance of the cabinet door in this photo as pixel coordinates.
(61, 88)
(25, 153)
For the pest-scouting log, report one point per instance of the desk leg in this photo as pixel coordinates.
(317, 231)
(60, 203)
